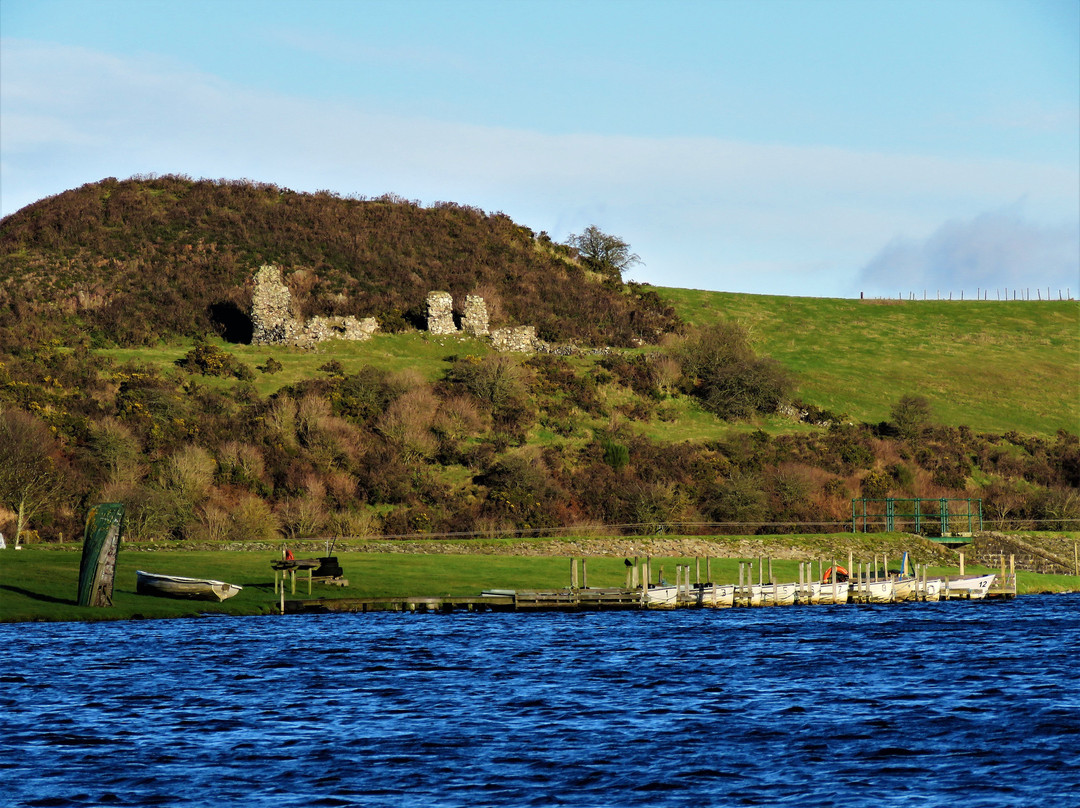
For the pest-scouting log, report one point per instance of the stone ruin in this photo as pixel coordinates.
(474, 321)
(518, 339)
(475, 318)
(274, 324)
(440, 317)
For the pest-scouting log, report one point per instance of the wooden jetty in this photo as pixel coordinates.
(867, 584)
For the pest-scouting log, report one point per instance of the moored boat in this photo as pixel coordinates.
(873, 590)
(973, 587)
(176, 586)
(818, 592)
(769, 594)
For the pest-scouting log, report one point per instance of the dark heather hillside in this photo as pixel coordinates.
(135, 261)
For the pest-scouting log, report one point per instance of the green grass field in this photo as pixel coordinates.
(42, 584)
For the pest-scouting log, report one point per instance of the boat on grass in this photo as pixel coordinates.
(176, 586)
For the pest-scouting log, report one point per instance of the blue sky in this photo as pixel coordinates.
(806, 147)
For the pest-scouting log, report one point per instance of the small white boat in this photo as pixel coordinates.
(973, 587)
(874, 590)
(817, 592)
(175, 586)
(904, 588)
(662, 595)
(770, 594)
(719, 596)
(710, 595)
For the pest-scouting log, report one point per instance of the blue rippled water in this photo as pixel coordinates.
(969, 704)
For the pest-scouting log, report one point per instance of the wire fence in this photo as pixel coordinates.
(641, 529)
(1027, 293)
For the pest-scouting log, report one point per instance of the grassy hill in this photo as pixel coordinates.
(109, 297)
(992, 366)
(142, 260)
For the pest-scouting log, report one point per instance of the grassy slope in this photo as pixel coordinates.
(994, 366)
(42, 584)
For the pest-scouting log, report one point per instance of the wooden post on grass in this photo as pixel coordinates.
(573, 574)
(961, 562)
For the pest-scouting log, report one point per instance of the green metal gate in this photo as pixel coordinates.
(945, 517)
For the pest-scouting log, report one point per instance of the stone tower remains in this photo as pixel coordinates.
(475, 319)
(273, 323)
(440, 317)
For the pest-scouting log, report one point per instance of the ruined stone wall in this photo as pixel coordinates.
(475, 318)
(271, 320)
(274, 324)
(320, 329)
(518, 339)
(440, 319)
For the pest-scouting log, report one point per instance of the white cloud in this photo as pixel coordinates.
(999, 249)
(702, 212)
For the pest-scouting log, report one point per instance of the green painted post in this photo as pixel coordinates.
(944, 516)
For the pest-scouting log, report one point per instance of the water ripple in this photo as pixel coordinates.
(972, 704)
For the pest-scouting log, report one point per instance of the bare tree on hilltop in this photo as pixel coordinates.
(609, 255)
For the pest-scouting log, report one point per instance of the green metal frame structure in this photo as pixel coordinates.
(945, 517)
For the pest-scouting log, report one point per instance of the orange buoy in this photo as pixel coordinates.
(838, 570)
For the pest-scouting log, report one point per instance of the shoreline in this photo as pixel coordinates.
(40, 583)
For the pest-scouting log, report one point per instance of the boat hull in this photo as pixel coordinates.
(769, 594)
(175, 586)
(972, 587)
(873, 592)
(819, 592)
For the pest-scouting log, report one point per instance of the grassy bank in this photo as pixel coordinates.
(992, 365)
(38, 584)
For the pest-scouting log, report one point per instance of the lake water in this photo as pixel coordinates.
(959, 703)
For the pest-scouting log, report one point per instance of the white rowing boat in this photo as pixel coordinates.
(176, 586)
(710, 595)
(874, 590)
(770, 594)
(818, 592)
(973, 587)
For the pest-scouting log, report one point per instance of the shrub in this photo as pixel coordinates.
(911, 416)
(616, 455)
(721, 370)
(210, 360)
(875, 485)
